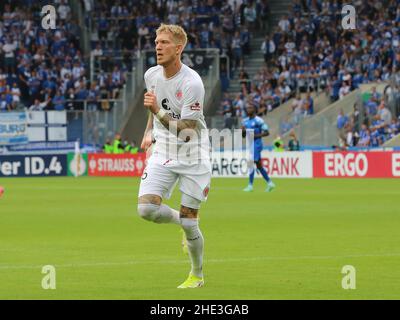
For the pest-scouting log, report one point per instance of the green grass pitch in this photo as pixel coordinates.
(289, 244)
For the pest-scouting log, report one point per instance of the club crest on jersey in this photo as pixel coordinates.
(206, 190)
(179, 94)
(195, 107)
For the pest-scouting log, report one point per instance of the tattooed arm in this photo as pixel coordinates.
(171, 124)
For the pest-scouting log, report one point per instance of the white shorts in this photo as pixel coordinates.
(161, 175)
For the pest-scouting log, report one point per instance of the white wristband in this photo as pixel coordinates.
(160, 114)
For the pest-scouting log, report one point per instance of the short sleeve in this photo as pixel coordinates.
(150, 78)
(146, 82)
(193, 100)
(263, 125)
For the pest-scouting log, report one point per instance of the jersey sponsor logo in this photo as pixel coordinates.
(195, 107)
(164, 104)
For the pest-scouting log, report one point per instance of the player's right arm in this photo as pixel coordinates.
(147, 137)
(147, 140)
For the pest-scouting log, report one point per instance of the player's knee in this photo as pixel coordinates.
(259, 165)
(148, 211)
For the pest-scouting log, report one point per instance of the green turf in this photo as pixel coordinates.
(289, 244)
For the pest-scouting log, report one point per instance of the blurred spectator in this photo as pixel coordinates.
(228, 112)
(108, 147)
(297, 108)
(394, 128)
(4, 103)
(239, 106)
(38, 106)
(250, 15)
(117, 144)
(286, 125)
(284, 23)
(268, 48)
(93, 97)
(237, 51)
(278, 145)
(350, 138)
(344, 89)
(364, 137)
(384, 115)
(245, 40)
(342, 120)
(244, 79)
(293, 144)
(58, 101)
(9, 49)
(308, 104)
(131, 147)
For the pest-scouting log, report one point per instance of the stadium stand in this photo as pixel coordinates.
(308, 51)
(46, 67)
(290, 64)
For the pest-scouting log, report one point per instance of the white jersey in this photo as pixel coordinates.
(182, 97)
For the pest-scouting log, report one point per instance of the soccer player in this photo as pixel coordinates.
(255, 128)
(177, 131)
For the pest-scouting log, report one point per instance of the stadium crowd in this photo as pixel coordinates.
(309, 51)
(131, 24)
(46, 69)
(371, 126)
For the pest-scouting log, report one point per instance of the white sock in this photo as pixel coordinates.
(195, 243)
(167, 215)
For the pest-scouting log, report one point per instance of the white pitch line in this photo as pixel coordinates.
(227, 260)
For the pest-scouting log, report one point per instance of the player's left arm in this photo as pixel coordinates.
(264, 131)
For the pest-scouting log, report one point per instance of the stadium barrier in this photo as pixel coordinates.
(306, 164)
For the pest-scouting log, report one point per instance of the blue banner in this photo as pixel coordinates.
(33, 166)
(13, 128)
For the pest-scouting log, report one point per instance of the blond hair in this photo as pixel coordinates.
(178, 34)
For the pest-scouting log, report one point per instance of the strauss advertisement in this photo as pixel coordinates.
(116, 165)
